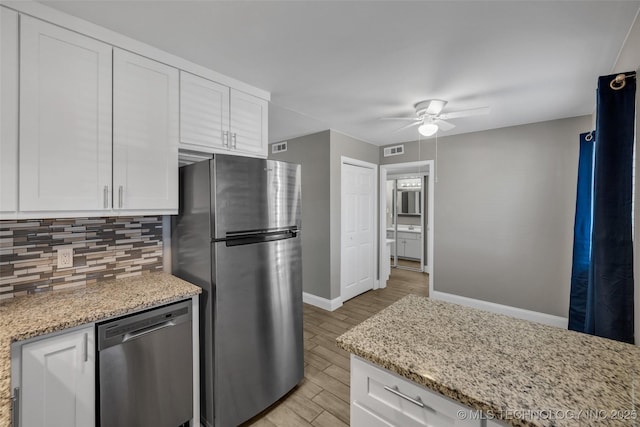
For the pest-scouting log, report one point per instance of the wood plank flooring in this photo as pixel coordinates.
(322, 398)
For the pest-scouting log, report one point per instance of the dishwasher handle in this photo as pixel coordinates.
(122, 329)
(144, 331)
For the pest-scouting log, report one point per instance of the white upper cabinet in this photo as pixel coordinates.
(8, 111)
(145, 134)
(216, 118)
(249, 123)
(65, 119)
(90, 129)
(204, 114)
(58, 380)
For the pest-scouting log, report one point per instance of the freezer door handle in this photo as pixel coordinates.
(249, 239)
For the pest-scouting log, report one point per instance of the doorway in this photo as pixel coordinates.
(406, 218)
(358, 228)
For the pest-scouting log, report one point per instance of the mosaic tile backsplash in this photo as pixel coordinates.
(104, 248)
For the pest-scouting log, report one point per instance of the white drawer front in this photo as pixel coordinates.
(408, 236)
(363, 417)
(400, 402)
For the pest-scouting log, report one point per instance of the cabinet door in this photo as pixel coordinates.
(402, 244)
(204, 113)
(249, 123)
(8, 111)
(65, 119)
(145, 134)
(412, 249)
(58, 380)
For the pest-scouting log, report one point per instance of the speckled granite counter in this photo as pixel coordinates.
(501, 365)
(39, 314)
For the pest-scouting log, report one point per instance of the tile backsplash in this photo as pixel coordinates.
(104, 248)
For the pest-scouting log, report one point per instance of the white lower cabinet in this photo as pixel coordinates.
(381, 398)
(412, 247)
(408, 244)
(58, 380)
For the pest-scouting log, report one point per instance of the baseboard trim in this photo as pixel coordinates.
(520, 313)
(323, 303)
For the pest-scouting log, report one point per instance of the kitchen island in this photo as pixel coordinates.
(34, 315)
(503, 370)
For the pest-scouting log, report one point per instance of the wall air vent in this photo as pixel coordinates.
(279, 147)
(394, 151)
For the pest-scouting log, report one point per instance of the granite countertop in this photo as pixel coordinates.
(32, 315)
(502, 365)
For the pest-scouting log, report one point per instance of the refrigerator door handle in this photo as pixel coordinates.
(249, 239)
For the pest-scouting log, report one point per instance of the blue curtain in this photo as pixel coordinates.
(607, 297)
(582, 235)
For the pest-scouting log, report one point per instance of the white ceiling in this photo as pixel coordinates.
(345, 64)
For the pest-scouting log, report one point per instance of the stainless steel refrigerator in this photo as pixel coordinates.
(238, 237)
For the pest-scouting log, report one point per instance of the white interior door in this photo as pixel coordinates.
(358, 230)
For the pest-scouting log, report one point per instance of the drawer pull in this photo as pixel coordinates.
(415, 401)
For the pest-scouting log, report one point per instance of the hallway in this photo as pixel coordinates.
(322, 398)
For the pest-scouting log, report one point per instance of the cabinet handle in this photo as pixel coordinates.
(415, 401)
(225, 138)
(233, 138)
(85, 344)
(106, 196)
(120, 191)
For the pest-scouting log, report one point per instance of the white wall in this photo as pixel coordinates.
(343, 145)
(504, 213)
(312, 152)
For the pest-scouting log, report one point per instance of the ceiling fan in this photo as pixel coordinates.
(430, 118)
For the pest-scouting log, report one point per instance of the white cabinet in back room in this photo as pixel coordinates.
(412, 247)
(145, 133)
(58, 380)
(8, 111)
(216, 118)
(65, 119)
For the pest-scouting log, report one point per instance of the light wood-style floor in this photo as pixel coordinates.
(322, 398)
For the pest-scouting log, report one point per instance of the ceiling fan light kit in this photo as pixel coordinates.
(428, 129)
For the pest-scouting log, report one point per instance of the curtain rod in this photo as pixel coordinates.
(619, 81)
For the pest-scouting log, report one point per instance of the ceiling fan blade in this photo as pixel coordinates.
(408, 126)
(413, 119)
(436, 106)
(445, 125)
(465, 113)
(430, 107)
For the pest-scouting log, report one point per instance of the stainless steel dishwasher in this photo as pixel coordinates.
(145, 365)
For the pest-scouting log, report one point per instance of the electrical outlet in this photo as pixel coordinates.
(65, 257)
